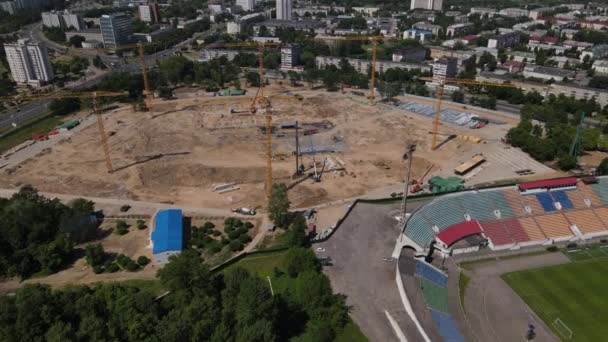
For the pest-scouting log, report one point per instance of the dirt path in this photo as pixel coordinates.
(494, 311)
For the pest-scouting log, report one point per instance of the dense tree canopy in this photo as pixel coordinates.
(233, 306)
(38, 234)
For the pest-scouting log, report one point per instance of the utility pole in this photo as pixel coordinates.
(297, 149)
(270, 282)
(409, 154)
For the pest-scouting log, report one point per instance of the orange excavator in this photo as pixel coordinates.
(416, 185)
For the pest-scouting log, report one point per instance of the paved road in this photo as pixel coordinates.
(357, 249)
(494, 311)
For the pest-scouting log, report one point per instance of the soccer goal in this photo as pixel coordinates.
(562, 328)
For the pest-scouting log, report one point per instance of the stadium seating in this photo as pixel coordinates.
(444, 212)
(428, 272)
(577, 197)
(532, 202)
(561, 197)
(554, 226)
(602, 213)
(447, 327)
(478, 205)
(419, 229)
(529, 226)
(435, 296)
(500, 203)
(545, 201)
(588, 192)
(601, 189)
(514, 199)
(515, 230)
(585, 221)
(496, 232)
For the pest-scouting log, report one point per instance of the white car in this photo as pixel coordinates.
(320, 249)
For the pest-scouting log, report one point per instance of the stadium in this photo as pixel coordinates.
(518, 224)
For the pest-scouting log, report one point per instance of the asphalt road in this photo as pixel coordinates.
(32, 109)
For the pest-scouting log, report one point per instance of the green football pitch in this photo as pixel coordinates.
(572, 298)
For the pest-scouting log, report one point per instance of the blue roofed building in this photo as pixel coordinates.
(420, 35)
(168, 235)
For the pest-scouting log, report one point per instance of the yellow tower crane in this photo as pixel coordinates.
(375, 40)
(261, 46)
(80, 95)
(441, 81)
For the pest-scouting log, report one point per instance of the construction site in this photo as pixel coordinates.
(211, 152)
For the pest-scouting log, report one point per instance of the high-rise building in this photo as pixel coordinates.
(431, 5)
(246, 5)
(116, 29)
(29, 62)
(290, 56)
(63, 19)
(13, 6)
(284, 9)
(445, 67)
(148, 12)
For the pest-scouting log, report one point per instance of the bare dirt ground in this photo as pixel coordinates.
(493, 311)
(133, 244)
(197, 145)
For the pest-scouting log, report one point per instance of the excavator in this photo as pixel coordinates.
(416, 185)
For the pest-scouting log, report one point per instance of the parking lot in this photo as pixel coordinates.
(358, 249)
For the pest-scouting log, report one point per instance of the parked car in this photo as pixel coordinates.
(320, 249)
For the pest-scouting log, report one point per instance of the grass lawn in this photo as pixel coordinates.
(351, 333)
(25, 132)
(263, 264)
(575, 293)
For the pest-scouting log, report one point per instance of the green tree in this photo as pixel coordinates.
(253, 79)
(184, 271)
(458, 96)
(76, 41)
(300, 260)
(296, 234)
(602, 169)
(567, 162)
(64, 106)
(278, 205)
(95, 254)
(294, 77)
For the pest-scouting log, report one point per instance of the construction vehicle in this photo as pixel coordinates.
(244, 211)
(417, 185)
(441, 81)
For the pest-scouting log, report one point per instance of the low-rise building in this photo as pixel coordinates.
(88, 35)
(600, 66)
(167, 239)
(209, 54)
(370, 11)
(363, 65)
(415, 54)
(514, 12)
(272, 25)
(511, 67)
(580, 46)
(568, 33)
(242, 23)
(419, 35)
(548, 73)
(505, 40)
(525, 57)
(540, 12)
(563, 61)
(483, 11)
(556, 88)
(458, 30)
(435, 29)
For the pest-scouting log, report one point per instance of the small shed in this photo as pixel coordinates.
(168, 235)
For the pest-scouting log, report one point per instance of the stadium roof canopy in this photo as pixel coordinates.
(459, 231)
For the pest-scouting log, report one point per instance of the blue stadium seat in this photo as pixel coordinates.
(419, 230)
(561, 197)
(426, 271)
(447, 327)
(601, 189)
(545, 201)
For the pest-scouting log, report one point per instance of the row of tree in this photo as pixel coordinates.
(232, 306)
